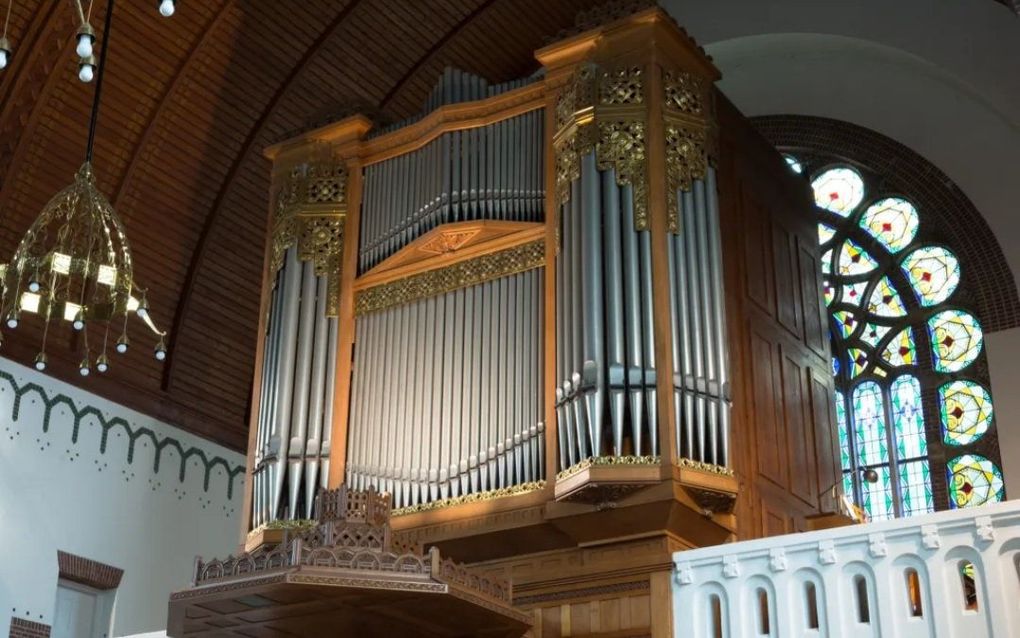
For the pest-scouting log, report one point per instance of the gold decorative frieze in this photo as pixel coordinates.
(311, 209)
(605, 461)
(462, 274)
(690, 135)
(704, 467)
(513, 490)
(603, 111)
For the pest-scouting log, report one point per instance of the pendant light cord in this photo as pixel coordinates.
(7, 21)
(107, 21)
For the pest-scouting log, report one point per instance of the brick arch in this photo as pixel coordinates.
(943, 205)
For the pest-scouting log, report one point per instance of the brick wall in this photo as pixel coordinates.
(88, 572)
(27, 629)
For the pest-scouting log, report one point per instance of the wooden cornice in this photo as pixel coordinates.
(648, 34)
(449, 244)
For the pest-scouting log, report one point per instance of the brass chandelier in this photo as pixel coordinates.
(74, 263)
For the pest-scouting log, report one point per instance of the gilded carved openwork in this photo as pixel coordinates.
(311, 209)
(453, 277)
(690, 134)
(604, 110)
(596, 112)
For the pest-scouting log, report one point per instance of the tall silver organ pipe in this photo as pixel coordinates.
(700, 358)
(605, 359)
(491, 172)
(447, 393)
(297, 388)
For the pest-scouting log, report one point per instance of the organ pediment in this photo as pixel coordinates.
(450, 243)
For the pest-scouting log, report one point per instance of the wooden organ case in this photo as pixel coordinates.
(568, 325)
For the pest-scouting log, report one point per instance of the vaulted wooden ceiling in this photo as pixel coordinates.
(188, 105)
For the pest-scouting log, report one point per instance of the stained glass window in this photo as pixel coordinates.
(825, 233)
(896, 343)
(854, 260)
(966, 412)
(839, 190)
(885, 301)
(900, 349)
(955, 338)
(934, 274)
(973, 480)
(892, 221)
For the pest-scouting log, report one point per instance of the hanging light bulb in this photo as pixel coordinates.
(160, 350)
(12, 319)
(79, 319)
(33, 282)
(84, 368)
(102, 363)
(143, 307)
(122, 344)
(86, 69)
(86, 36)
(167, 7)
(41, 361)
(5, 52)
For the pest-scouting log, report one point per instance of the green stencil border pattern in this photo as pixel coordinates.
(80, 413)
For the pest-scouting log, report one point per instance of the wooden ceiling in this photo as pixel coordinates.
(188, 105)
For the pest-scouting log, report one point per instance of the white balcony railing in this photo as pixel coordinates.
(954, 574)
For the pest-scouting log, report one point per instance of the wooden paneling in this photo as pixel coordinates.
(783, 429)
(816, 330)
(802, 478)
(787, 279)
(769, 436)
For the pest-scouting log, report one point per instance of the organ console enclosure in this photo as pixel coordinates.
(556, 328)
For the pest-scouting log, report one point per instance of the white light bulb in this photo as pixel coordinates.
(33, 286)
(78, 324)
(160, 355)
(12, 323)
(143, 312)
(84, 371)
(84, 48)
(122, 348)
(102, 365)
(3, 59)
(166, 8)
(85, 73)
(40, 365)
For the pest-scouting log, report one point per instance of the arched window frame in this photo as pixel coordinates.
(812, 163)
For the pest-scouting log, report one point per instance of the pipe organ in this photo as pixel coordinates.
(419, 325)
(511, 317)
(517, 297)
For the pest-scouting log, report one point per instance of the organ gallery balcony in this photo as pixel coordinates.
(954, 573)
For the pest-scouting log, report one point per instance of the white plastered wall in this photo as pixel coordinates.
(939, 76)
(61, 494)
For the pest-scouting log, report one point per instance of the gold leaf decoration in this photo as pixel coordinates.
(453, 277)
(311, 209)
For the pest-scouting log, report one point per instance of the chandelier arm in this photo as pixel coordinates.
(107, 23)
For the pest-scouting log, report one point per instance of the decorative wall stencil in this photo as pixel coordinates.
(79, 413)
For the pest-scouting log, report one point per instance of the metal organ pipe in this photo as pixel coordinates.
(700, 384)
(480, 355)
(605, 324)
